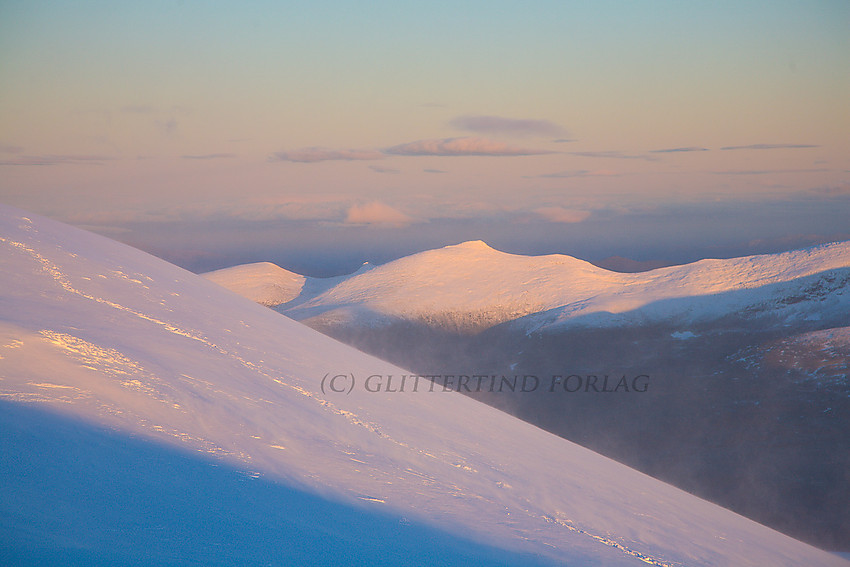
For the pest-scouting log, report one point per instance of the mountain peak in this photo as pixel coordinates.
(473, 245)
(263, 282)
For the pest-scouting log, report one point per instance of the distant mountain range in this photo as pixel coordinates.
(471, 287)
(748, 396)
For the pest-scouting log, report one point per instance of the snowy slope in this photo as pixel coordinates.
(472, 286)
(131, 389)
(263, 282)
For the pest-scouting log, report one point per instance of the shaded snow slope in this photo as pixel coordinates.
(150, 416)
(821, 356)
(263, 282)
(471, 286)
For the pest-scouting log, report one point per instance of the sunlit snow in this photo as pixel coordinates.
(471, 286)
(139, 397)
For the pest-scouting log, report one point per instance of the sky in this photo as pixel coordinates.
(322, 135)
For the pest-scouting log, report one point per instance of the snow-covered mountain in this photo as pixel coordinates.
(472, 287)
(263, 282)
(151, 417)
(743, 354)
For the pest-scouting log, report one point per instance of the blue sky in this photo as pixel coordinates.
(216, 132)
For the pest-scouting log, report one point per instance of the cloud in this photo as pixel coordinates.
(110, 231)
(315, 208)
(56, 160)
(292, 209)
(117, 217)
(433, 171)
(828, 191)
(138, 109)
(209, 156)
(770, 147)
(614, 155)
(10, 149)
(150, 109)
(560, 214)
(316, 154)
(168, 127)
(506, 126)
(379, 169)
(580, 173)
(377, 214)
(469, 146)
(676, 150)
(564, 140)
(767, 171)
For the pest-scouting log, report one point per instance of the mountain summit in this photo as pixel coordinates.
(266, 283)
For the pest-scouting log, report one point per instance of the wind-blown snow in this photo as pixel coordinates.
(96, 333)
(471, 286)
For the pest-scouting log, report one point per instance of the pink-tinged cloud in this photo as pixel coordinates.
(580, 173)
(768, 171)
(469, 146)
(614, 155)
(377, 214)
(209, 156)
(138, 109)
(771, 147)
(560, 214)
(321, 208)
(316, 154)
(10, 149)
(678, 150)
(498, 125)
(379, 169)
(56, 160)
(168, 127)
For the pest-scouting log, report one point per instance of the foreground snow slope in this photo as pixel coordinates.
(138, 397)
(472, 286)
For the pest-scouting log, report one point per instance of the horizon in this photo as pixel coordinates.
(320, 137)
(615, 263)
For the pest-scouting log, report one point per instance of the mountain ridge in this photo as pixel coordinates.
(472, 286)
(745, 367)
